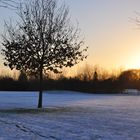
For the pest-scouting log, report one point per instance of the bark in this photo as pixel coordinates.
(40, 90)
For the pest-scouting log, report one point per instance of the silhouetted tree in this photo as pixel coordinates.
(22, 77)
(85, 73)
(43, 40)
(129, 75)
(95, 76)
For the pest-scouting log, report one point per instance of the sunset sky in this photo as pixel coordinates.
(113, 38)
(111, 34)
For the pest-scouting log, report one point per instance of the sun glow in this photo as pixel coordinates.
(134, 61)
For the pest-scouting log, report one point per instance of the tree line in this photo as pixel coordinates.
(93, 82)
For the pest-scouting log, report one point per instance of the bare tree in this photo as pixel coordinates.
(44, 40)
(10, 4)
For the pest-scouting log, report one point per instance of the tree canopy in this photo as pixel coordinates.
(43, 40)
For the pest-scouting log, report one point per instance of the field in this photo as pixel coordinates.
(69, 116)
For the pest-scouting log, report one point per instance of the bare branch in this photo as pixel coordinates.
(11, 4)
(44, 40)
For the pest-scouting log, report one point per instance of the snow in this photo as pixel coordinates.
(69, 116)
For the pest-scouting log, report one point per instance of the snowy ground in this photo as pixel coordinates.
(69, 116)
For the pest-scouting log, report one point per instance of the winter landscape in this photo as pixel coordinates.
(69, 70)
(69, 116)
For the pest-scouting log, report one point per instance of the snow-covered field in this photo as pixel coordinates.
(69, 116)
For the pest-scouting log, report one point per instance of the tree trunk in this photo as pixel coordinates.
(40, 89)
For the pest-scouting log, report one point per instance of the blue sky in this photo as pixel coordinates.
(112, 37)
